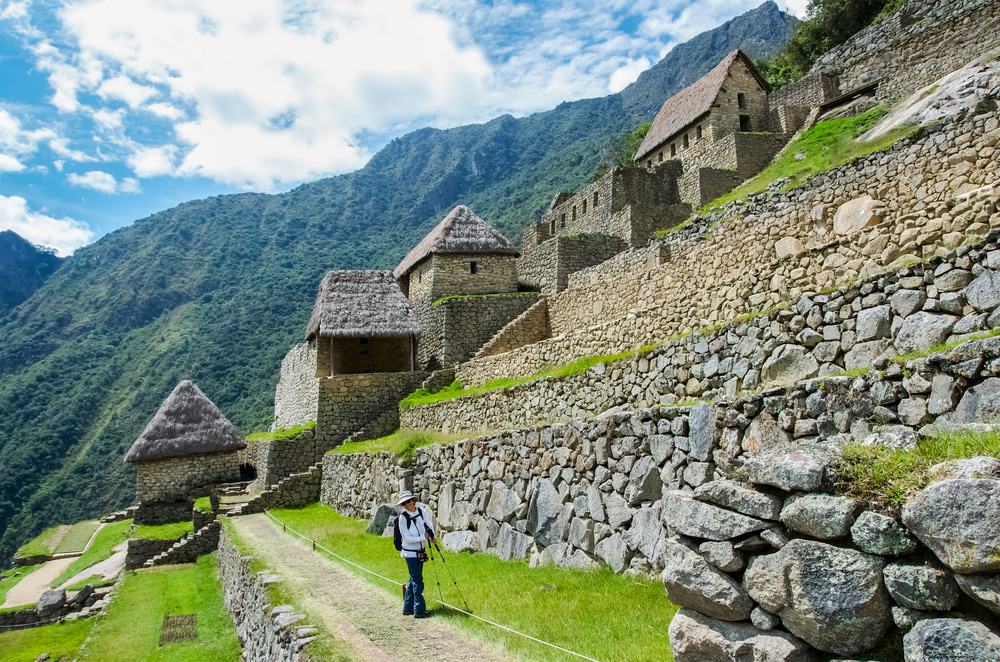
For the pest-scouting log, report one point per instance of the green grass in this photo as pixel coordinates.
(827, 145)
(456, 297)
(203, 504)
(9, 578)
(45, 543)
(96, 581)
(326, 647)
(402, 443)
(945, 347)
(163, 531)
(58, 640)
(455, 390)
(131, 628)
(886, 478)
(77, 537)
(599, 614)
(282, 434)
(105, 541)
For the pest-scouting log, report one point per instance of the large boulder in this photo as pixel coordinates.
(736, 496)
(788, 364)
(460, 541)
(792, 472)
(644, 482)
(764, 435)
(875, 533)
(959, 520)
(646, 531)
(983, 293)
(940, 639)
(512, 544)
(695, 637)
(545, 514)
(614, 551)
(381, 515)
(819, 515)
(980, 404)
(701, 432)
(920, 586)
(984, 589)
(691, 582)
(857, 214)
(923, 330)
(874, 323)
(503, 503)
(52, 600)
(831, 597)
(688, 516)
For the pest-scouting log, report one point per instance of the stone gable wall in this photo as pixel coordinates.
(549, 265)
(451, 275)
(297, 392)
(276, 459)
(347, 403)
(934, 191)
(179, 477)
(529, 327)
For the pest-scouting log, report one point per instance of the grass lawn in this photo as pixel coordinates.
(281, 433)
(45, 542)
(599, 614)
(580, 365)
(169, 531)
(105, 541)
(130, 630)
(885, 478)
(203, 504)
(10, 577)
(58, 639)
(826, 145)
(77, 537)
(402, 443)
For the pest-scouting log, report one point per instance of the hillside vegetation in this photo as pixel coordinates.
(23, 269)
(217, 290)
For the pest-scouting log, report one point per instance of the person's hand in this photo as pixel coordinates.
(427, 535)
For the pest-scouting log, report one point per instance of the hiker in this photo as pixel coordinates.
(413, 528)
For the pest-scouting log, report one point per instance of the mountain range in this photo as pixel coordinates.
(217, 290)
(23, 269)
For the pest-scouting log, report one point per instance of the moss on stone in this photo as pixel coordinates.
(281, 434)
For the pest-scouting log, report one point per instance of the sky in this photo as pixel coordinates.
(113, 109)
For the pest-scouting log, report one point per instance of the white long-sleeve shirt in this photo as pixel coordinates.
(412, 531)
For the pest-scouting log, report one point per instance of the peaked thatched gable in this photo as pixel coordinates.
(360, 304)
(187, 423)
(692, 102)
(461, 231)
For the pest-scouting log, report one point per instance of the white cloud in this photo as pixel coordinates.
(104, 182)
(109, 119)
(164, 110)
(64, 235)
(61, 147)
(127, 90)
(626, 74)
(152, 161)
(18, 140)
(9, 163)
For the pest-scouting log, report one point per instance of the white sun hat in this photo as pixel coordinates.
(404, 496)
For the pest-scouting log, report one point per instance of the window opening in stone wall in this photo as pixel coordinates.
(574, 212)
(364, 345)
(698, 132)
(741, 100)
(649, 163)
(562, 220)
(597, 196)
(673, 149)
(687, 143)
(584, 210)
(659, 158)
(552, 226)
(473, 267)
(745, 123)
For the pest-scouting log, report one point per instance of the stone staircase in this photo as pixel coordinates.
(190, 547)
(295, 490)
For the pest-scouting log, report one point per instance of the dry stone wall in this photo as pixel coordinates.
(347, 403)
(274, 460)
(297, 393)
(529, 327)
(549, 265)
(455, 329)
(267, 632)
(178, 477)
(916, 199)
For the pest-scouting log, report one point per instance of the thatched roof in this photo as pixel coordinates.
(460, 231)
(692, 102)
(360, 304)
(187, 423)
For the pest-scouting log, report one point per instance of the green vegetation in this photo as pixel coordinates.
(203, 504)
(26, 267)
(886, 478)
(827, 145)
(131, 628)
(45, 543)
(281, 434)
(325, 648)
(829, 23)
(945, 347)
(455, 390)
(105, 541)
(77, 537)
(620, 152)
(458, 297)
(402, 443)
(666, 232)
(593, 613)
(96, 581)
(59, 640)
(163, 531)
(10, 577)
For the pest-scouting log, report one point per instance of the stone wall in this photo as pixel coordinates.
(140, 550)
(549, 265)
(349, 402)
(55, 605)
(451, 274)
(356, 484)
(297, 393)
(455, 329)
(203, 541)
(928, 193)
(294, 491)
(178, 477)
(273, 460)
(267, 632)
(529, 327)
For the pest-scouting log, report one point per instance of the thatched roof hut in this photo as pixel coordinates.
(187, 423)
(361, 304)
(461, 231)
(688, 105)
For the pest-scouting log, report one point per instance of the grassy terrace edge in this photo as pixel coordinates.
(281, 434)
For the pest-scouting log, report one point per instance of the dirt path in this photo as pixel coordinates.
(108, 568)
(354, 610)
(28, 590)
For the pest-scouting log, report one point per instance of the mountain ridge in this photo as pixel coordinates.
(217, 289)
(24, 268)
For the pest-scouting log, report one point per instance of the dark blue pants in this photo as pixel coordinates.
(413, 600)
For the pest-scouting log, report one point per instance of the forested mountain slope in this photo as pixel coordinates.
(23, 269)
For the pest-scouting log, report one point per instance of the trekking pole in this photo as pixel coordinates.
(430, 555)
(443, 562)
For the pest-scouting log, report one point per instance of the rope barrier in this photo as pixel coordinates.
(394, 582)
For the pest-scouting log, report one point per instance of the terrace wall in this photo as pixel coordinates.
(348, 403)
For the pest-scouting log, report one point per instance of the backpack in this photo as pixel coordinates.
(397, 534)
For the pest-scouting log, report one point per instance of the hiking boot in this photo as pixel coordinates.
(422, 614)
(407, 613)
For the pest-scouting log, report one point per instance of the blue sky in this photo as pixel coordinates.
(113, 109)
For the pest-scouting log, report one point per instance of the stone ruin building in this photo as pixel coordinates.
(186, 448)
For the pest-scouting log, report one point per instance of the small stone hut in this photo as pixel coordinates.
(732, 97)
(187, 446)
(362, 323)
(463, 254)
